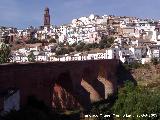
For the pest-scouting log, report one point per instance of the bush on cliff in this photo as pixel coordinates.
(136, 65)
(62, 51)
(137, 101)
(131, 100)
(155, 61)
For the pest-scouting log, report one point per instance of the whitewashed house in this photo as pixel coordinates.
(112, 53)
(136, 52)
(41, 58)
(92, 56)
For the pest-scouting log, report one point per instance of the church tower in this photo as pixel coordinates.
(46, 17)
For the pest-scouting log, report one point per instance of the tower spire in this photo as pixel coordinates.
(46, 17)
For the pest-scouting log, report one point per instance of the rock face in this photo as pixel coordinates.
(62, 85)
(148, 75)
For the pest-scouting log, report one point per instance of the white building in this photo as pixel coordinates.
(136, 52)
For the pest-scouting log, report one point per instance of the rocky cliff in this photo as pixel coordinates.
(148, 75)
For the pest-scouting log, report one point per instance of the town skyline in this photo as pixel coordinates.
(22, 14)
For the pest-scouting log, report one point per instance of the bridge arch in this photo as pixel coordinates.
(63, 97)
(92, 84)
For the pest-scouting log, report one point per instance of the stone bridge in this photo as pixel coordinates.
(62, 85)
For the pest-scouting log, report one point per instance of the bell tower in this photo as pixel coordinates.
(46, 17)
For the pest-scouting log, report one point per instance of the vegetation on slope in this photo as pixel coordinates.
(132, 103)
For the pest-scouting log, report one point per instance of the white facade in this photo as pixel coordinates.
(112, 53)
(41, 58)
(155, 53)
(145, 60)
(136, 53)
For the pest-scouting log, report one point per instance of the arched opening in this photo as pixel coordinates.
(105, 76)
(92, 84)
(63, 97)
(64, 80)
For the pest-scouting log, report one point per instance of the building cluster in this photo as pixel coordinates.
(135, 39)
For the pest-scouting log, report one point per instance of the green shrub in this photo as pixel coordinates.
(62, 51)
(70, 49)
(131, 100)
(52, 40)
(135, 65)
(5, 53)
(74, 44)
(94, 45)
(154, 61)
(137, 101)
(79, 48)
(87, 47)
(31, 57)
(106, 42)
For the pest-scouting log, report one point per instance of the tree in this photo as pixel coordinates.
(101, 45)
(52, 40)
(5, 53)
(31, 57)
(87, 47)
(70, 49)
(74, 44)
(62, 51)
(33, 41)
(94, 45)
(154, 61)
(106, 42)
(82, 44)
(79, 48)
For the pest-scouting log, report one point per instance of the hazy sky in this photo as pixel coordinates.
(24, 13)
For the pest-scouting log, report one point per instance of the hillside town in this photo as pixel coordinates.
(94, 37)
